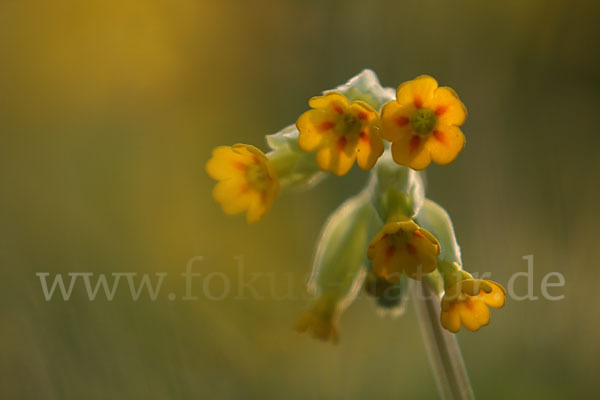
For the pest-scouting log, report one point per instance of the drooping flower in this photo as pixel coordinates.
(403, 247)
(247, 181)
(341, 133)
(321, 319)
(423, 123)
(466, 302)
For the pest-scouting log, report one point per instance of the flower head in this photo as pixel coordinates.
(247, 180)
(321, 319)
(341, 133)
(422, 123)
(403, 247)
(466, 302)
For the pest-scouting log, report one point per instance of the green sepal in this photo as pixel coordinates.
(295, 168)
(397, 192)
(436, 220)
(339, 261)
(365, 87)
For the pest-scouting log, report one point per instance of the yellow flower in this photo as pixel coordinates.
(422, 123)
(321, 319)
(403, 246)
(341, 133)
(466, 302)
(247, 180)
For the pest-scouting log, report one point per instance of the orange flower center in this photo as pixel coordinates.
(423, 121)
(348, 125)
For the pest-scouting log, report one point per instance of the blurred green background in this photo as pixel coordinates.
(109, 111)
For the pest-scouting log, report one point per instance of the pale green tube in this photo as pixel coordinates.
(442, 347)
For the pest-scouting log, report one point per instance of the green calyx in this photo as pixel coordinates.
(397, 192)
(452, 273)
(423, 121)
(294, 168)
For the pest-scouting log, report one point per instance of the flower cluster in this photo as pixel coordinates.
(390, 232)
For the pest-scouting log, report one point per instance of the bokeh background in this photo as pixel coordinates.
(109, 111)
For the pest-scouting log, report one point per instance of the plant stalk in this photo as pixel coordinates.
(442, 347)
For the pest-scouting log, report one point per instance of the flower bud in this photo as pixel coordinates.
(338, 268)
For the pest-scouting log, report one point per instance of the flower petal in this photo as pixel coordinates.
(381, 259)
(337, 157)
(496, 298)
(252, 152)
(426, 250)
(395, 120)
(418, 92)
(332, 102)
(448, 108)
(313, 126)
(234, 195)
(369, 148)
(257, 209)
(445, 143)
(415, 264)
(411, 151)
(473, 314)
(451, 319)
(226, 163)
(363, 111)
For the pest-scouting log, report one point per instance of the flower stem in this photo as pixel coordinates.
(442, 347)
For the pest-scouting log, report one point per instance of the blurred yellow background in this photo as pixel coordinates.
(109, 111)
